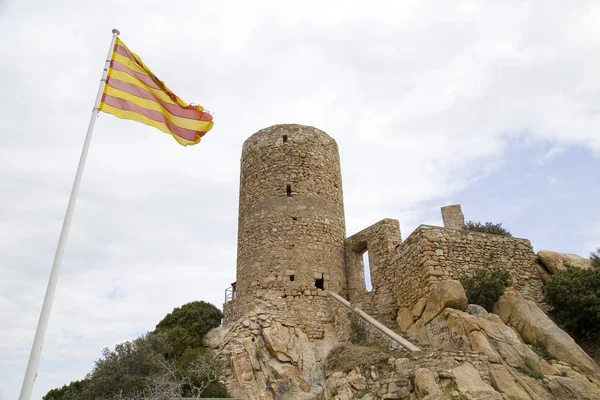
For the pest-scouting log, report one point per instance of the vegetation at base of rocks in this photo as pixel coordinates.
(574, 295)
(488, 227)
(358, 332)
(486, 286)
(595, 258)
(531, 369)
(347, 356)
(541, 349)
(169, 362)
(453, 387)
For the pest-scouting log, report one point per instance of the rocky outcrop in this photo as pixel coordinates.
(447, 294)
(269, 360)
(469, 382)
(536, 328)
(425, 384)
(558, 262)
(507, 341)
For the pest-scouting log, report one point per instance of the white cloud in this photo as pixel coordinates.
(421, 97)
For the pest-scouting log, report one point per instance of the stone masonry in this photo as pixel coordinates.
(453, 217)
(292, 249)
(291, 227)
(292, 243)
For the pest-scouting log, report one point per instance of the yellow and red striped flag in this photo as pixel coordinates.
(133, 92)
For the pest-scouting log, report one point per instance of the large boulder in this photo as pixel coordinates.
(558, 262)
(469, 383)
(447, 294)
(404, 319)
(505, 382)
(425, 384)
(536, 328)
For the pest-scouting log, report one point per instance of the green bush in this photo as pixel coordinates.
(595, 258)
(575, 297)
(192, 320)
(486, 286)
(488, 227)
(172, 357)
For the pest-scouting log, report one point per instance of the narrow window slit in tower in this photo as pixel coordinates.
(292, 277)
(320, 283)
(295, 218)
(284, 137)
(289, 190)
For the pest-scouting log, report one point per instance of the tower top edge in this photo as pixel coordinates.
(287, 129)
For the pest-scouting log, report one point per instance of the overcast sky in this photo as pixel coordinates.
(431, 103)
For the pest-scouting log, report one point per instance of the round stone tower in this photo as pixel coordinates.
(291, 228)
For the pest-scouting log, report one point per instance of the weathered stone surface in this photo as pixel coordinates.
(214, 338)
(453, 217)
(503, 381)
(417, 269)
(404, 319)
(446, 331)
(477, 310)
(242, 368)
(425, 383)
(470, 383)
(481, 344)
(447, 294)
(573, 387)
(419, 307)
(558, 262)
(535, 327)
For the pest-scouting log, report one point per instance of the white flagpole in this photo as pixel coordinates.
(38, 341)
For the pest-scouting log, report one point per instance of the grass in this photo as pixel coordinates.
(348, 356)
(531, 369)
(358, 333)
(541, 350)
(452, 386)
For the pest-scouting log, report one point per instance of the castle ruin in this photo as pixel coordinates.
(299, 274)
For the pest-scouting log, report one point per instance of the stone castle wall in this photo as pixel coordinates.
(432, 254)
(308, 310)
(379, 240)
(291, 227)
(403, 273)
(453, 217)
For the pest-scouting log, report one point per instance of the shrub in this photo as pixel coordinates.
(488, 227)
(486, 286)
(358, 333)
(194, 320)
(575, 297)
(170, 362)
(595, 258)
(531, 369)
(541, 349)
(346, 357)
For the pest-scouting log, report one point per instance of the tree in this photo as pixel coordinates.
(486, 286)
(72, 391)
(193, 321)
(595, 258)
(170, 362)
(488, 227)
(574, 295)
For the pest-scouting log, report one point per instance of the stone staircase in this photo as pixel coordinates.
(376, 327)
(390, 323)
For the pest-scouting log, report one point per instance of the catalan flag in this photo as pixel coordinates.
(133, 92)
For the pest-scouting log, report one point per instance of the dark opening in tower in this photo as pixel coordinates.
(320, 282)
(288, 189)
(284, 137)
